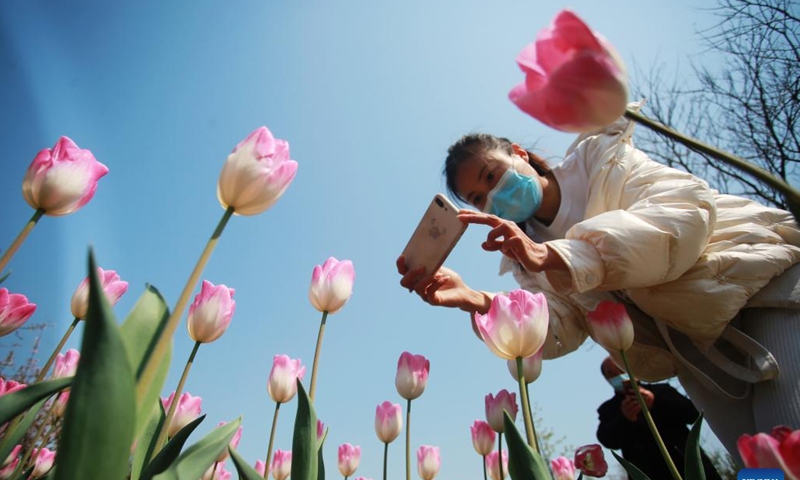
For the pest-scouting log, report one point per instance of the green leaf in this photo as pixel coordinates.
(171, 450)
(101, 413)
(320, 461)
(246, 472)
(633, 472)
(12, 404)
(198, 458)
(140, 331)
(146, 442)
(693, 466)
(304, 443)
(13, 437)
(523, 462)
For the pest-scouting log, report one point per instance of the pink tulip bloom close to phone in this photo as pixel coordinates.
(611, 326)
(574, 79)
(15, 310)
(515, 325)
(412, 375)
(63, 179)
(256, 174)
(331, 285)
(111, 283)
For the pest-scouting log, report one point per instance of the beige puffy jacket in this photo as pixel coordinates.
(661, 239)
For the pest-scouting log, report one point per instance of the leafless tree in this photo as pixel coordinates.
(749, 106)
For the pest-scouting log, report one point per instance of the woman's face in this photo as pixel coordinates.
(476, 177)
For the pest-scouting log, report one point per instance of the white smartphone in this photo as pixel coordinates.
(435, 236)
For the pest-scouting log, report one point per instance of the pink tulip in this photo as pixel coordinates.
(15, 310)
(780, 450)
(260, 467)
(493, 465)
(211, 312)
(349, 458)
(428, 462)
(483, 437)
(281, 464)
(516, 324)
(66, 365)
(112, 285)
(10, 386)
(563, 469)
(331, 285)
(233, 443)
(504, 401)
(189, 408)
(7, 470)
(574, 79)
(62, 180)
(531, 367)
(256, 174)
(282, 383)
(60, 405)
(363, 478)
(43, 462)
(412, 375)
(216, 472)
(320, 430)
(611, 326)
(388, 421)
(590, 460)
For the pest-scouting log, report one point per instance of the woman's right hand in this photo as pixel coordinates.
(444, 288)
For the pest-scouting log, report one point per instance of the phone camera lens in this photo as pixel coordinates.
(439, 202)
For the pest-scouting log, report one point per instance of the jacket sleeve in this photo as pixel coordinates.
(613, 428)
(671, 406)
(645, 223)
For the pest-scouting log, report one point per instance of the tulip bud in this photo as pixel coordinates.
(388, 421)
(188, 409)
(562, 469)
(515, 325)
(531, 367)
(412, 375)
(62, 180)
(44, 459)
(428, 462)
(320, 430)
(60, 405)
(256, 174)
(282, 384)
(15, 310)
(493, 465)
(611, 326)
(504, 401)
(10, 386)
(590, 460)
(260, 467)
(12, 456)
(483, 437)
(281, 465)
(66, 365)
(112, 286)
(331, 285)
(349, 458)
(211, 312)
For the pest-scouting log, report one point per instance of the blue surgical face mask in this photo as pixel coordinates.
(516, 197)
(618, 381)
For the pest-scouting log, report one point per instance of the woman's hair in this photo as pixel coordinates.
(474, 144)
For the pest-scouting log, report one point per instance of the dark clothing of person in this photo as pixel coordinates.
(671, 412)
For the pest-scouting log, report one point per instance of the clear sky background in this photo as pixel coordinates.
(369, 95)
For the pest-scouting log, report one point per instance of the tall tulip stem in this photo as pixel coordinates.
(790, 194)
(499, 453)
(312, 390)
(46, 368)
(20, 238)
(162, 434)
(163, 343)
(271, 438)
(649, 418)
(385, 458)
(484, 467)
(408, 441)
(526, 408)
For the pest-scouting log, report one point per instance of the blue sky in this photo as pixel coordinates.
(369, 95)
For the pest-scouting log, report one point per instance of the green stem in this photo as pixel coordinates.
(46, 368)
(408, 441)
(650, 423)
(162, 433)
(500, 453)
(580, 475)
(484, 467)
(164, 340)
(385, 458)
(533, 423)
(313, 388)
(271, 439)
(20, 238)
(791, 195)
(526, 409)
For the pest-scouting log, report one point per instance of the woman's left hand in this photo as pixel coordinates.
(505, 236)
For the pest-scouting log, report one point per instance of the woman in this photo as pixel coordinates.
(691, 264)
